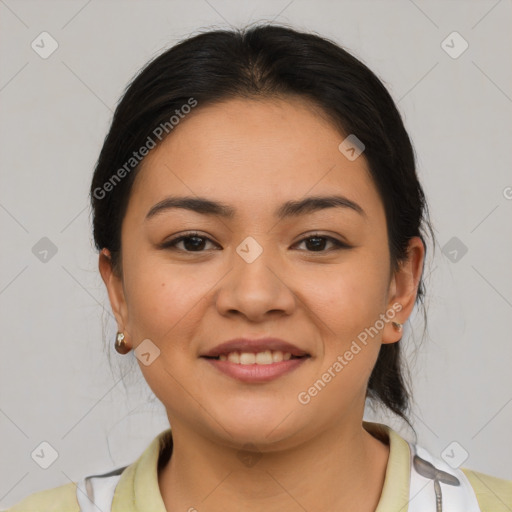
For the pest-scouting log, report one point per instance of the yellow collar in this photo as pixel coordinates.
(138, 488)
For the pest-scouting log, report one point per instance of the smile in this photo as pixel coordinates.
(256, 367)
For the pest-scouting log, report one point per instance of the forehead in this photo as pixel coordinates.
(254, 154)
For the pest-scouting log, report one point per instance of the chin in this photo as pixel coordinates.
(263, 425)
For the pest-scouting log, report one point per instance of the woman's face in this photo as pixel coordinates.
(264, 271)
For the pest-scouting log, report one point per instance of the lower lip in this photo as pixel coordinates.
(256, 372)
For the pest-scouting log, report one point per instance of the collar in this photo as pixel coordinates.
(395, 491)
(138, 488)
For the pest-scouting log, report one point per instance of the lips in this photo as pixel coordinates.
(253, 346)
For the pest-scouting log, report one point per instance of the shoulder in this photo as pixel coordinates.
(57, 499)
(493, 494)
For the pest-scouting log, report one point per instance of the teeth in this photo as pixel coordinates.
(247, 358)
(234, 357)
(266, 357)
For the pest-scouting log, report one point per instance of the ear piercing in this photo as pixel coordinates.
(120, 345)
(397, 326)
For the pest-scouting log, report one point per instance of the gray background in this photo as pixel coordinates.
(55, 381)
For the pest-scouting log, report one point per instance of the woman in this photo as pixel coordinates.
(261, 230)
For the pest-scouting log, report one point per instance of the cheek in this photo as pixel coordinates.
(348, 300)
(348, 296)
(162, 297)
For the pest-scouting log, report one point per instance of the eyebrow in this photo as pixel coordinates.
(288, 209)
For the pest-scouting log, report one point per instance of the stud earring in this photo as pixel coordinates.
(397, 325)
(120, 345)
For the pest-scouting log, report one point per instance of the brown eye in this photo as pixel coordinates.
(192, 242)
(317, 243)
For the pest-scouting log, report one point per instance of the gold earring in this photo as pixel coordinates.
(397, 325)
(120, 345)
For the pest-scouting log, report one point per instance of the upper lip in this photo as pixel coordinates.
(254, 346)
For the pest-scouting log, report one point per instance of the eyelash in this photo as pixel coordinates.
(171, 244)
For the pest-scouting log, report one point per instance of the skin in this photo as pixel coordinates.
(254, 156)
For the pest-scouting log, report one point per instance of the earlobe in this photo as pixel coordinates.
(393, 329)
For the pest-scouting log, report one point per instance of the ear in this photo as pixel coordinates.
(115, 289)
(403, 289)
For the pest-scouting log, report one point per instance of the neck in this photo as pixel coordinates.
(341, 469)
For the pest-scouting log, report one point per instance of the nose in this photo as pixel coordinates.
(256, 289)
